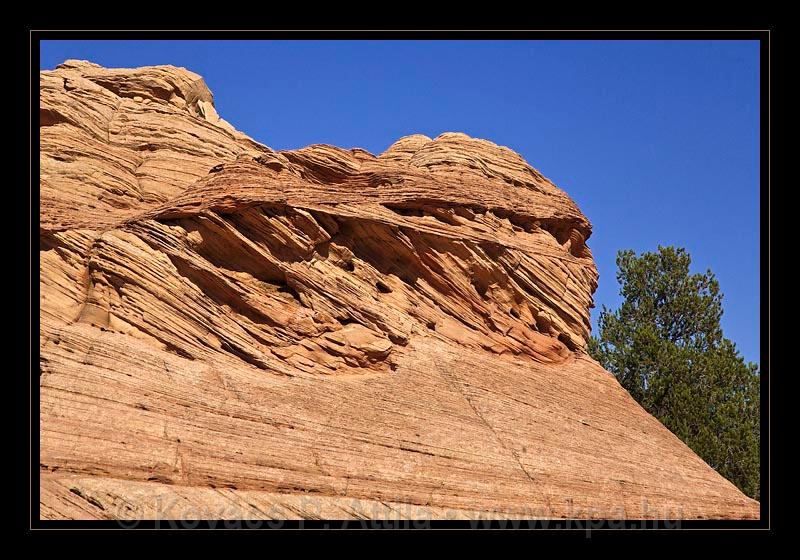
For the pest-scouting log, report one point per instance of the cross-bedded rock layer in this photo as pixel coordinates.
(407, 328)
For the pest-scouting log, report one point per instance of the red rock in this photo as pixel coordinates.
(312, 327)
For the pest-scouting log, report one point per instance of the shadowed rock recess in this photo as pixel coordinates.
(228, 331)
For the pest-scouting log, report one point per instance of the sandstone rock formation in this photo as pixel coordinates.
(231, 331)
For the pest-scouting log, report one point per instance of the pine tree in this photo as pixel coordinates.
(666, 347)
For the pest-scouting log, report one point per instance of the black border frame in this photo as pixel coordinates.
(27, 440)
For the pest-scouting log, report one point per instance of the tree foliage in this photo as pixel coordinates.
(666, 347)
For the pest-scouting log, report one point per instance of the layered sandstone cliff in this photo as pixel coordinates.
(231, 331)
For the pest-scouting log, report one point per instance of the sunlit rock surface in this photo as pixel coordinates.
(228, 331)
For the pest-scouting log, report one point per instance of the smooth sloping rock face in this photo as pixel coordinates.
(230, 331)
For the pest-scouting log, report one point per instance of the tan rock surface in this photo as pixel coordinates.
(286, 334)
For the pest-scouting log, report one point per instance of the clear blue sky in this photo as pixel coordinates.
(657, 141)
